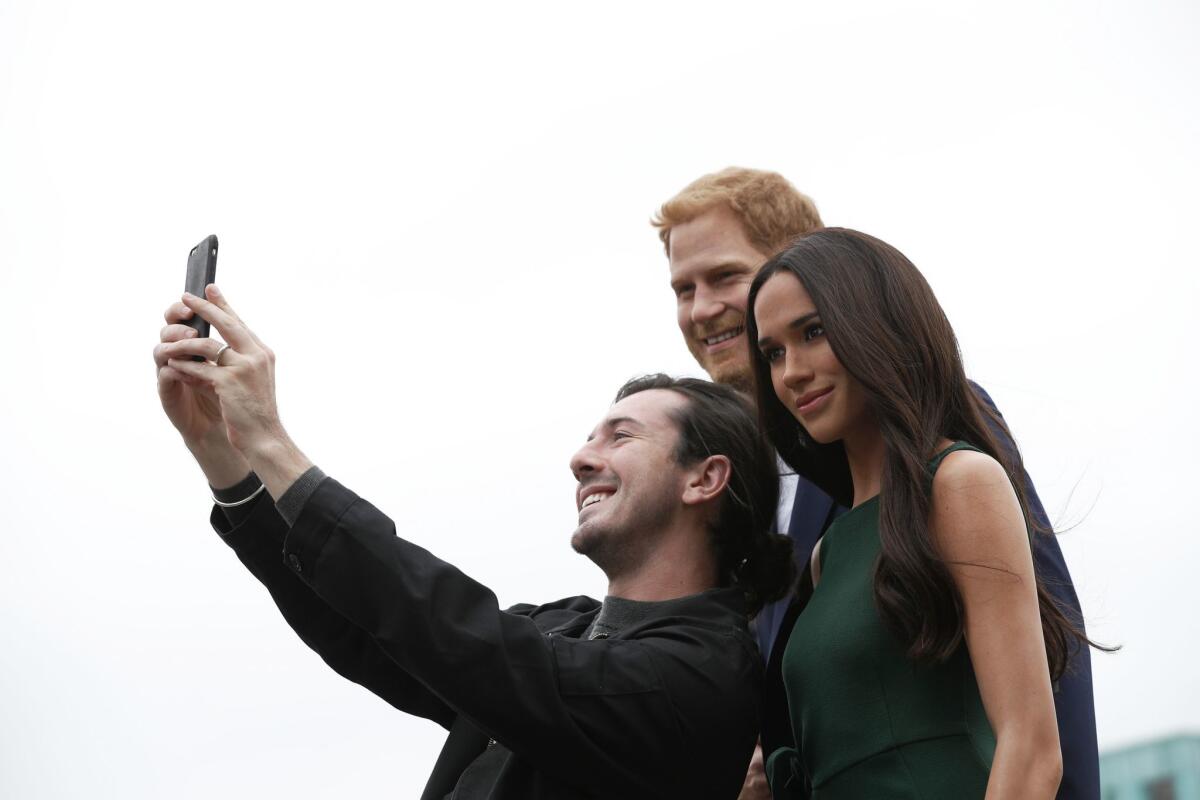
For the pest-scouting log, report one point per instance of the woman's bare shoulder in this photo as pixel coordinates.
(974, 506)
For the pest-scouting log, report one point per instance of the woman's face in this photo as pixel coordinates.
(807, 377)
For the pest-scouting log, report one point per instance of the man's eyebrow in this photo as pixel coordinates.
(798, 322)
(613, 422)
(728, 264)
(732, 263)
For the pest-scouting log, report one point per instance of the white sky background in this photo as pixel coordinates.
(438, 219)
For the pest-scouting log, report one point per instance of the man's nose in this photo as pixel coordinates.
(706, 305)
(585, 462)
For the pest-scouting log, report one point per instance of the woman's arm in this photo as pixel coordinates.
(979, 530)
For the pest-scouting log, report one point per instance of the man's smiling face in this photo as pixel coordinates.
(630, 486)
(712, 264)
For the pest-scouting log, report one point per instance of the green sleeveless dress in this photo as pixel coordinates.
(867, 721)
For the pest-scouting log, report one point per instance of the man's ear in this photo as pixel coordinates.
(706, 480)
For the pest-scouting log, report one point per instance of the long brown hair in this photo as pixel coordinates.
(887, 329)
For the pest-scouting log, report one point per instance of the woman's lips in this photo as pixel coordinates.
(812, 401)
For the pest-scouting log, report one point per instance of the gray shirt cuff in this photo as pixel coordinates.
(292, 503)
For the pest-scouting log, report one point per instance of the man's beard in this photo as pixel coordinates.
(615, 552)
(624, 545)
(736, 376)
(729, 367)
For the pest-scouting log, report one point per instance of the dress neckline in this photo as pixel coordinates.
(872, 499)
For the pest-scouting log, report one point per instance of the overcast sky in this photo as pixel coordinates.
(439, 221)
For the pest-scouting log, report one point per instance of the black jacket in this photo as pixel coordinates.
(665, 708)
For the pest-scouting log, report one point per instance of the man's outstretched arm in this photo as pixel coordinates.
(256, 533)
(195, 410)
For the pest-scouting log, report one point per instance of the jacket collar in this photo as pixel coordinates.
(724, 606)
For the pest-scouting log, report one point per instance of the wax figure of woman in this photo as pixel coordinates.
(921, 667)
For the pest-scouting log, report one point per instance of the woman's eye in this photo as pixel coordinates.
(620, 435)
(813, 331)
(772, 354)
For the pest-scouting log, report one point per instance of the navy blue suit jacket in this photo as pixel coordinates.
(812, 512)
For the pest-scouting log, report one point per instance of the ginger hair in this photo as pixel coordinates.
(770, 209)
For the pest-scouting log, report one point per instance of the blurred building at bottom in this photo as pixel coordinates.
(1161, 769)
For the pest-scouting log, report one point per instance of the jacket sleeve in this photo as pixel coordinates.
(671, 711)
(257, 539)
(1073, 699)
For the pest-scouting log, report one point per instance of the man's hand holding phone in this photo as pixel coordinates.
(233, 385)
(193, 406)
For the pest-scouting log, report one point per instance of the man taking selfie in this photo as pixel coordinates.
(652, 693)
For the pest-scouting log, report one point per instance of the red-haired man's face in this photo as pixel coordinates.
(712, 263)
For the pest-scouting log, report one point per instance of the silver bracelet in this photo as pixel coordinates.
(243, 501)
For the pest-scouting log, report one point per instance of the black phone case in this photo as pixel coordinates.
(201, 271)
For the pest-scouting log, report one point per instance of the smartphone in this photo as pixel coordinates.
(201, 271)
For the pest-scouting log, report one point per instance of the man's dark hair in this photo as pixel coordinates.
(717, 420)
